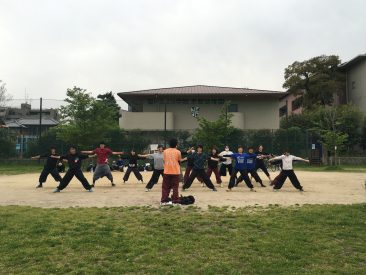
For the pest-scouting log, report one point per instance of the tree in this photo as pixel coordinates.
(318, 79)
(334, 142)
(214, 133)
(85, 121)
(110, 101)
(363, 134)
(4, 96)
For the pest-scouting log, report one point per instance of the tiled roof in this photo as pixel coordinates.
(201, 90)
(24, 122)
(354, 61)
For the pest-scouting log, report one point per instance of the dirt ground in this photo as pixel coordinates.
(320, 188)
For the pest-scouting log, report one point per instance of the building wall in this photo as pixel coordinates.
(356, 86)
(252, 114)
(286, 104)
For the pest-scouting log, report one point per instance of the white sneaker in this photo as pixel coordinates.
(91, 190)
(202, 184)
(147, 190)
(56, 190)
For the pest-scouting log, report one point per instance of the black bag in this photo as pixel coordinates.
(187, 200)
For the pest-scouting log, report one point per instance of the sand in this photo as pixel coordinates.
(320, 188)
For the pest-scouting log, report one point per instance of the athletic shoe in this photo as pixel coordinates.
(202, 184)
(147, 190)
(184, 190)
(124, 182)
(169, 203)
(221, 185)
(252, 190)
(56, 190)
(275, 190)
(91, 190)
(39, 185)
(262, 185)
(93, 185)
(113, 184)
(142, 182)
(301, 190)
(215, 190)
(176, 204)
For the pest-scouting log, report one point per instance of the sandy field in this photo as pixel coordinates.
(320, 188)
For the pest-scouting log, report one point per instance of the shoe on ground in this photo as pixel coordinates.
(275, 190)
(252, 190)
(147, 190)
(169, 203)
(91, 190)
(301, 190)
(56, 190)
(228, 190)
(39, 185)
(93, 185)
(221, 185)
(214, 190)
(184, 190)
(202, 185)
(113, 184)
(262, 185)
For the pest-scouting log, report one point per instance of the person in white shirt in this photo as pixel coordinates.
(287, 171)
(226, 165)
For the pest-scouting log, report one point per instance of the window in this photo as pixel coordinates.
(232, 108)
(283, 111)
(296, 104)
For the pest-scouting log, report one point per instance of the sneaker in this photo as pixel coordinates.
(39, 185)
(169, 203)
(221, 185)
(184, 190)
(252, 190)
(301, 190)
(215, 190)
(262, 185)
(124, 182)
(275, 190)
(142, 181)
(91, 190)
(56, 190)
(176, 204)
(202, 184)
(147, 190)
(113, 184)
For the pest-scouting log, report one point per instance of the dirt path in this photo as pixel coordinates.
(321, 188)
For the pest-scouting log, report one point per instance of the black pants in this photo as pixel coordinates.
(46, 171)
(154, 178)
(281, 178)
(135, 170)
(253, 173)
(198, 173)
(244, 175)
(68, 177)
(225, 167)
(263, 168)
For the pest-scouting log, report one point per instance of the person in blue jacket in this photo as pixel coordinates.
(241, 163)
(251, 166)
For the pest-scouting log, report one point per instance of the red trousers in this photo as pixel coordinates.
(216, 172)
(170, 182)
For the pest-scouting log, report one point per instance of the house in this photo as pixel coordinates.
(355, 71)
(290, 104)
(177, 108)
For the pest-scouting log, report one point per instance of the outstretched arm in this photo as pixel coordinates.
(36, 157)
(86, 152)
(301, 159)
(117, 153)
(276, 158)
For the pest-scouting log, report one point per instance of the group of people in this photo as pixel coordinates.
(167, 164)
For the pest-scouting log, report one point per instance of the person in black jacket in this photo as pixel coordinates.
(74, 160)
(50, 167)
(213, 165)
(198, 169)
(132, 166)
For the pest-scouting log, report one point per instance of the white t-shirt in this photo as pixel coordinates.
(287, 161)
(228, 160)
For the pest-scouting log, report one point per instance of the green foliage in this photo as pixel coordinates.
(85, 120)
(316, 239)
(109, 100)
(49, 139)
(7, 143)
(214, 133)
(318, 79)
(332, 139)
(363, 134)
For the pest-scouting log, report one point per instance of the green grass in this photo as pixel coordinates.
(16, 169)
(295, 240)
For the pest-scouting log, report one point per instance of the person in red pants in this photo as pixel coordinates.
(213, 165)
(172, 158)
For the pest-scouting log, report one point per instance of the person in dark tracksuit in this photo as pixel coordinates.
(189, 166)
(287, 171)
(199, 169)
(240, 166)
(50, 167)
(132, 167)
(213, 164)
(158, 158)
(250, 166)
(74, 160)
(260, 162)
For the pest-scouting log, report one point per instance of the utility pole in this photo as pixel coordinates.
(164, 123)
(40, 121)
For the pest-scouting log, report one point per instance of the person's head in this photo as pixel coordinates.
(199, 149)
(260, 148)
(173, 143)
(72, 150)
(240, 149)
(250, 150)
(286, 152)
(53, 150)
(160, 148)
(132, 152)
(101, 144)
(214, 151)
(227, 148)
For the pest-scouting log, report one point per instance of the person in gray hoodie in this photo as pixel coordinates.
(158, 158)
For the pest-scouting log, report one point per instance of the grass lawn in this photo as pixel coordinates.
(274, 240)
(16, 169)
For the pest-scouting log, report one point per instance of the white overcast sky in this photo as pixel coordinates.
(115, 45)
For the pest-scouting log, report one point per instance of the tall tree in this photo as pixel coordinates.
(214, 133)
(318, 79)
(84, 120)
(4, 96)
(110, 101)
